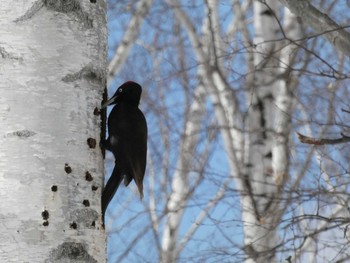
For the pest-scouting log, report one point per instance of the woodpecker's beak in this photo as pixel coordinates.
(111, 101)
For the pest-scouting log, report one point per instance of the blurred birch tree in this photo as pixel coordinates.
(227, 84)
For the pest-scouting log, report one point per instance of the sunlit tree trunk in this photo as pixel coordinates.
(53, 65)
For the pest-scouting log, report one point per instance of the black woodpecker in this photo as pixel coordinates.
(127, 140)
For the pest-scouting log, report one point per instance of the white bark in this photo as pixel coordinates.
(53, 63)
(259, 232)
(268, 132)
(283, 100)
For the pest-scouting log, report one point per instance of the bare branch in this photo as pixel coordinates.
(320, 22)
(322, 141)
(344, 110)
(129, 38)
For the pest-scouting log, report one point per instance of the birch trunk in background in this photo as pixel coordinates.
(255, 180)
(269, 111)
(180, 190)
(260, 235)
(53, 65)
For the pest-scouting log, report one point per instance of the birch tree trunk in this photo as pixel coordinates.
(269, 111)
(53, 65)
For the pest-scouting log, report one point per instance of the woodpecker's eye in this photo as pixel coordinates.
(120, 90)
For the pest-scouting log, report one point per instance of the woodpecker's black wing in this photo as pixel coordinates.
(128, 141)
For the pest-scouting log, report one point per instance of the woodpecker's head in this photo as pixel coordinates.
(129, 92)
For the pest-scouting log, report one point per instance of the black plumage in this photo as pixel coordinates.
(127, 140)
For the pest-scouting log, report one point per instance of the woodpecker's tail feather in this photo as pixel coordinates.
(110, 189)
